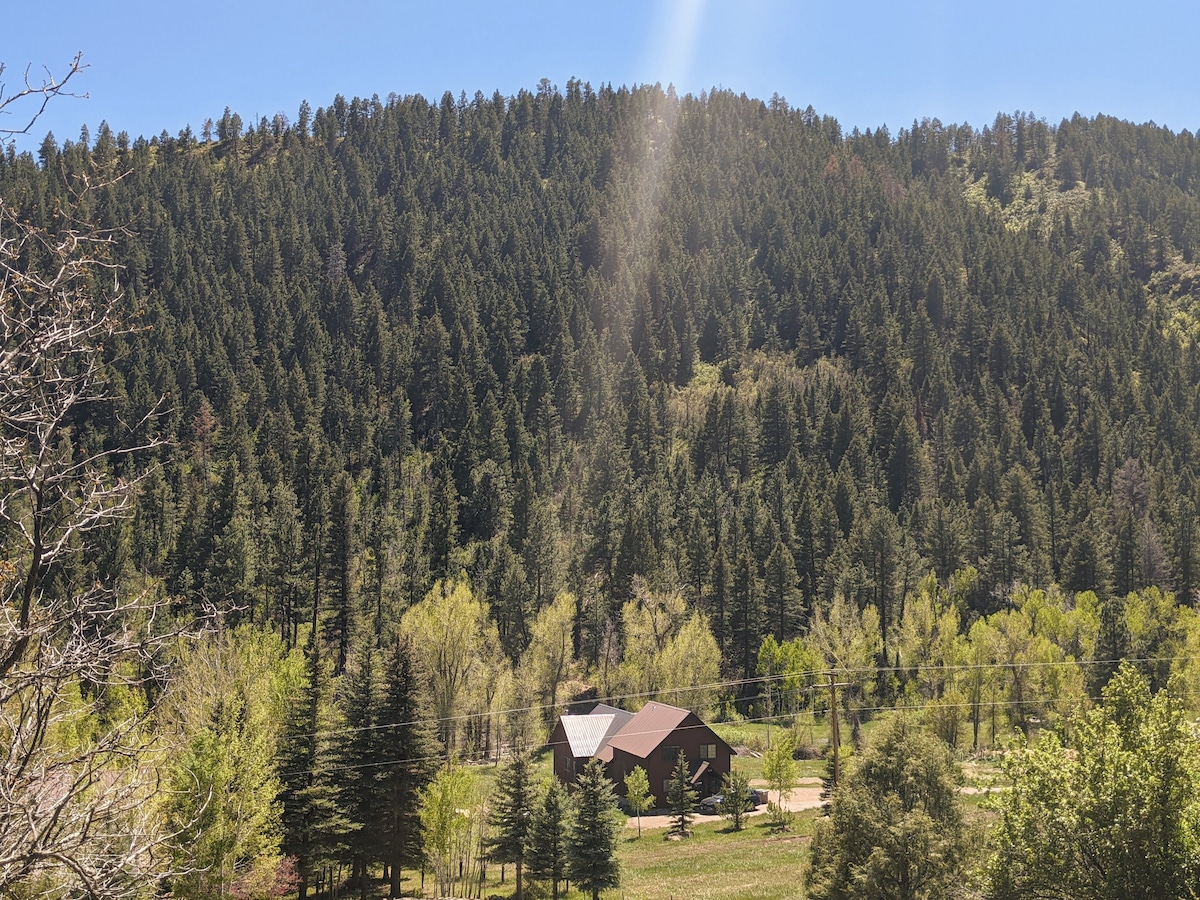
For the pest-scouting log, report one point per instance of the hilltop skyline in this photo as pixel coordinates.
(867, 65)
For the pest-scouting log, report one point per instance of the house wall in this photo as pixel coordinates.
(563, 769)
(659, 766)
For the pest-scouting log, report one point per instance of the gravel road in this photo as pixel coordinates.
(806, 796)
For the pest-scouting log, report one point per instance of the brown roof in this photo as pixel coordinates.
(647, 729)
(605, 728)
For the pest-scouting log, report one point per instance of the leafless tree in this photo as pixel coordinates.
(78, 815)
(29, 100)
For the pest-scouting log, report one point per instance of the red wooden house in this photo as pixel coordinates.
(651, 738)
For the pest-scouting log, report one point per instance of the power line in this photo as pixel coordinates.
(1076, 702)
(484, 754)
(730, 683)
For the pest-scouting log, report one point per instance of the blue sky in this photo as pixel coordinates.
(170, 63)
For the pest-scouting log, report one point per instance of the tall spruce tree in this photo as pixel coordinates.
(681, 797)
(408, 755)
(592, 839)
(546, 853)
(510, 815)
(358, 754)
(312, 821)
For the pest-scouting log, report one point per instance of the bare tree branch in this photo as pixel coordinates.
(79, 810)
(35, 95)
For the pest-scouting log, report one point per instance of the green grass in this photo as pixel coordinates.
(716, 863)
(541, 766)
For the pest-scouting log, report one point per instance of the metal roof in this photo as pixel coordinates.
(648, 729)
(589, 734)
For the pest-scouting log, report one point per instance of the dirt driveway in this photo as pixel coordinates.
(807, 795)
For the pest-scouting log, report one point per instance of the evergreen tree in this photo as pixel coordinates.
(722, 596)
(343, 510)
(782, 596)
(546, 853)
(681, 797)
(409, 755)
(895, 829)
(592, 840)
(735, 788)
(312, 821)
(512, 808)
(745, 615)
(359, 797)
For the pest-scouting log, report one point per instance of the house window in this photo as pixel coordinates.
(666, 789)
(708, 751)
(670, 752)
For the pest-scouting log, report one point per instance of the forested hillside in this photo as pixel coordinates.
(575, 384)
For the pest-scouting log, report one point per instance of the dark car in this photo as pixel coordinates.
(712, 805)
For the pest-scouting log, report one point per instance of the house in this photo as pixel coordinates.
(576, 739)
(651, 738)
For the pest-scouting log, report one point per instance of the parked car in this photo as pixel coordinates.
(712, 805)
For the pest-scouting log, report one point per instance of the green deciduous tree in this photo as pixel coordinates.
(637, 793)
(229, 704)
(895, 830)
(454, 642)
(550, 656)
(688, 669)
(851, 644)
(1114, 813)
(787, 670)
(446, 824)
(780, 771)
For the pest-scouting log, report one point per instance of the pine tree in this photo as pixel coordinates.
(358, 790)
(546, 852)
(341, 537)
(311, 818)
(735, 787)
(408, 753)
(722, 596)
(745, 614)
(895, 829)
(509, 820)
(681, 797)
(782, 596)
(592, 844)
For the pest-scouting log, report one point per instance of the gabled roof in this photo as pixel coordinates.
(648, 729)
(607, 728)
(587, 735)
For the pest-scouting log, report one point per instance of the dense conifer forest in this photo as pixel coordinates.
(456, 410)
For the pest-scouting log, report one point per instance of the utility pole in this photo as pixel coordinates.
(834, 733)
